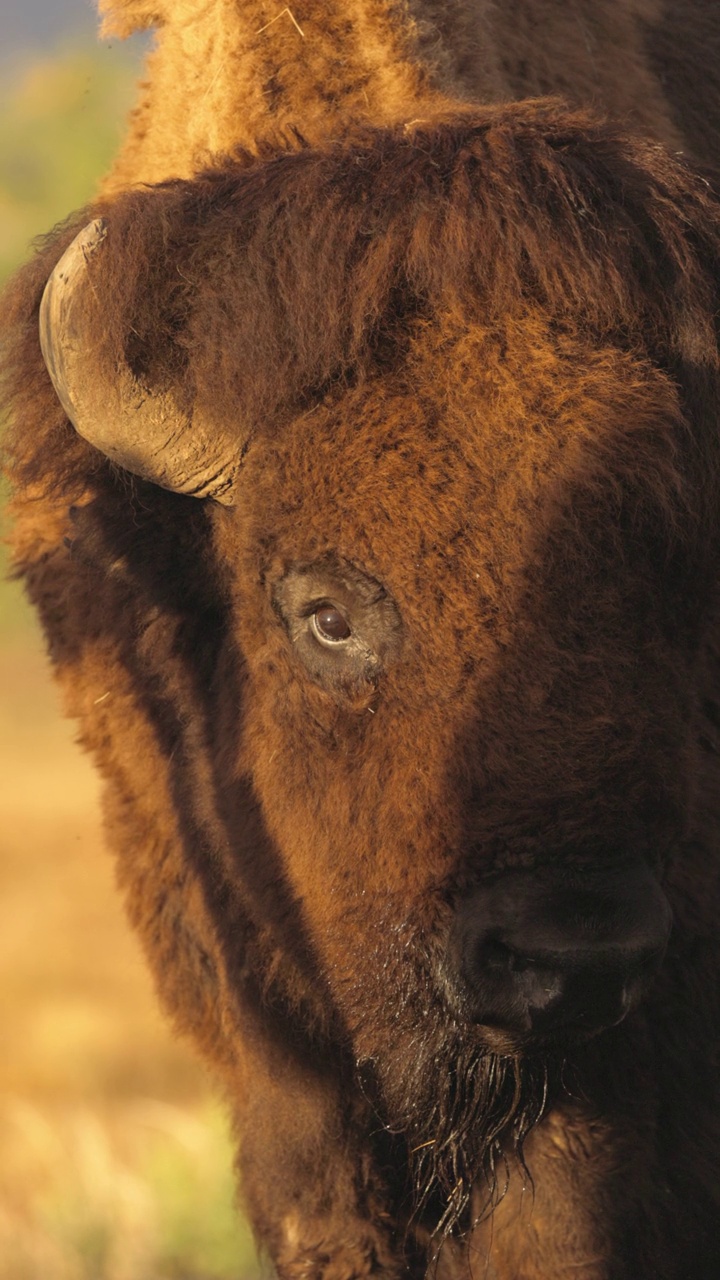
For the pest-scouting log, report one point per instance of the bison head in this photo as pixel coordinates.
(452, 390)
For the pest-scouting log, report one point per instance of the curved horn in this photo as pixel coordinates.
(143, 431)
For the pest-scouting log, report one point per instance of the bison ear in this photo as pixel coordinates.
(143, 431)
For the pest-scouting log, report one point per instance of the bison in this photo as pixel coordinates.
(367, 479)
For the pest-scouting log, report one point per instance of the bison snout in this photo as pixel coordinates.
(551, 954)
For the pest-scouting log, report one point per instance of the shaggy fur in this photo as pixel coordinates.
(474, 359)
(229, 72)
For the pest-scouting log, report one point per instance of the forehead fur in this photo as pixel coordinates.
(310, 265)
(258, 285)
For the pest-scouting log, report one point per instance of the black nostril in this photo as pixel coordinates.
(529, 994)
(536, 955)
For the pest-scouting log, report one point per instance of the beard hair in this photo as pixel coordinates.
(463, 1110)
(465, 1118)
(467, 1129)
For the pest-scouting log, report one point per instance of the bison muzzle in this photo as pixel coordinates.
(551, 955)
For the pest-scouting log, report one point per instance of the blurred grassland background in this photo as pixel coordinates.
(115, 1162)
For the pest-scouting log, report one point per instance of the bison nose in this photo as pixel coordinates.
(550, 952)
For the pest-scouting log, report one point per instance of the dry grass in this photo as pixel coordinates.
(114, 1159)
(120, 1191)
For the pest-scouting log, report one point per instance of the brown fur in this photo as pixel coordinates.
(475, 358)
(229, 72)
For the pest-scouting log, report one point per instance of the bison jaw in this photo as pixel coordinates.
(146, 433)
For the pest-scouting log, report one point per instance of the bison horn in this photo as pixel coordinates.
(145, 432)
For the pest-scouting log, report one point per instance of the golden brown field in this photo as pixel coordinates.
(114, 1160)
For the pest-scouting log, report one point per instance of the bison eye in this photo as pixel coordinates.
(330, 625)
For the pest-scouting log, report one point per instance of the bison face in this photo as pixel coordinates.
(466, 633)
(467, 637)
(453, 395)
